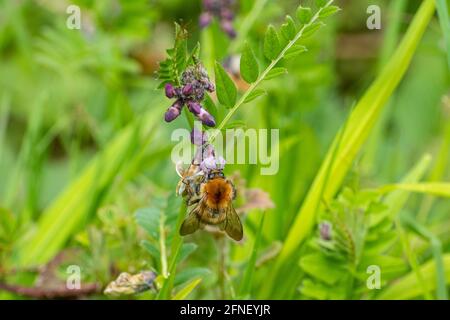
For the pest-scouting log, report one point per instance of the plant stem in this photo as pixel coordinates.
(261, 77)
(162, 246)
(221, 244)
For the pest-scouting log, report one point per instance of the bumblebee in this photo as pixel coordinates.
(209, 199)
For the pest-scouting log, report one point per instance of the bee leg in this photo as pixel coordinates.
(234, 189)
(191, 201)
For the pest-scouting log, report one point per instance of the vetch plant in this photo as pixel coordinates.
(285, 190)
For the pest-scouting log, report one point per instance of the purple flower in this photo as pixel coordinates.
(174, 111)
(205, 19)
(325, 231)
(223, 11)
(206, 118)
(227, 27)
(212, 163)
(198, 137)
(170, 91)
(194, 83)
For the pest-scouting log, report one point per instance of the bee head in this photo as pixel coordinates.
(215, 174)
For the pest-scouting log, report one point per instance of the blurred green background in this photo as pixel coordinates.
(85, 152)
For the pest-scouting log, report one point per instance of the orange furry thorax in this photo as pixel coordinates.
(218, 193)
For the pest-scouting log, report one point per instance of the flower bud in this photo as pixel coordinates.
(170, 90)
(187, 89)
(325, 231)
(174, 111)
(194, 107)
(227, 14)
(205, 19)
(209, 86)
(227, 27)
(206, 118)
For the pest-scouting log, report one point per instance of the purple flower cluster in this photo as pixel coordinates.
(223, 11)
(195, 82)
(206, 155)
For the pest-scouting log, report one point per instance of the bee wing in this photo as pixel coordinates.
(190, 224)
(232, 224)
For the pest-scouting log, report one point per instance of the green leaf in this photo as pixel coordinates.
(407, 288)
(295, 51)
(321, 3)
(304, 14)
(177, 58)
(236, 124)
(183, 293)
(397, 199)
(225, 88)
(289, 29)
(318, 266)
(189, 273)
(152, 249)
(329, 11)
(249, 65)
(186, 250)
(271, 43)
(255, 94)
(312, 28)
(444, 21)
(275, 72)
(439, 189)
(248, 276)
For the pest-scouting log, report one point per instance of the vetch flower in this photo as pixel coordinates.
(212, 163)
(198, 137)
(194, 83)
(325, 231)
(223, 11)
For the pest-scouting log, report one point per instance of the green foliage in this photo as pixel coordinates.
(170, 70)
(83, 146)
(304, 15)
(225, 87)
(248, 65)
(271, 43)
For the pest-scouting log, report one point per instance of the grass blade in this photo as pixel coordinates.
(406, 287)
(74, 206)
(248, 275)
(444, 20)
(183, 293)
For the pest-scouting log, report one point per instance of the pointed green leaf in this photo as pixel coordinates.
(321, 3)
(289, 29)
(249, 65)
(255, 94)
(329, 11)
(304, 14)
(271, 43)
(183, 293)
(275, 72)
(294, 51)
(311, 29)
(225, 88)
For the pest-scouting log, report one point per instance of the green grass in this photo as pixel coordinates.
(85, 154)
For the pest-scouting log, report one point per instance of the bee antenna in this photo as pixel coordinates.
(179, 168)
